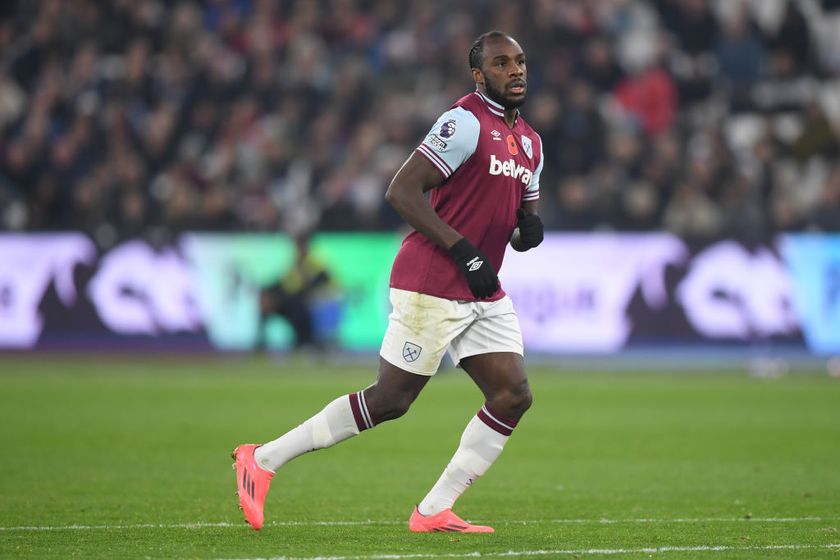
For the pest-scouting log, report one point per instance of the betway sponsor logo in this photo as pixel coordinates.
(510, 169)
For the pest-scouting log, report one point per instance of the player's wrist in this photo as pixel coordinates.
(479, 273)
(462, 250)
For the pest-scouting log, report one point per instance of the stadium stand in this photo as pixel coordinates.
(130, 118)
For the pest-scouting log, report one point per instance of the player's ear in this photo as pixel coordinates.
(478, 76)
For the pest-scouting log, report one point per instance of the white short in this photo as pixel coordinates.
(421, 328)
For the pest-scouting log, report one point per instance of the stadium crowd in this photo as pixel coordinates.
(124, 118)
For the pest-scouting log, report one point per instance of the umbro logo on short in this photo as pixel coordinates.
(411, 351)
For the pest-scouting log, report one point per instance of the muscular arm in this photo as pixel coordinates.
(406, 195)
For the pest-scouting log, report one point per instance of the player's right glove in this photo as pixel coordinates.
(477, 269)
(530, 228)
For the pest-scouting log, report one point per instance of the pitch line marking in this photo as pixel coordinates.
(372, 522)
(570, 552)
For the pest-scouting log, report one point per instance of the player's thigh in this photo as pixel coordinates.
(420, 328)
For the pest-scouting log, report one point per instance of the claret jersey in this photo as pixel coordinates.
(489, 169)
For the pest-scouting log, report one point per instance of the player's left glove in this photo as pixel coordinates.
(476, 268)
(530, 229)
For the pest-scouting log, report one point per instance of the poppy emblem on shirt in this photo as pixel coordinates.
(411, 351)
(447, 129)
(511, 143)
(527, 146)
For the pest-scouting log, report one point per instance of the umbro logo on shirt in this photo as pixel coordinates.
(496, 135)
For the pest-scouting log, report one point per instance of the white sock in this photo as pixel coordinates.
(343, 418)
(482, 443)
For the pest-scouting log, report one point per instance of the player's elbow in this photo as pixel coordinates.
(390, 194)
(395, 196)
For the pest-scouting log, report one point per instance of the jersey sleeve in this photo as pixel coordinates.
(532, 191)
(452, 140)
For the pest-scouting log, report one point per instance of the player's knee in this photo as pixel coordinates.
(399, 406)
(521, 401)
(387, 406)
(527, 400)
(513, 402)
(392, 410)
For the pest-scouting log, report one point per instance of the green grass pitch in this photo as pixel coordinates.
(129, 458)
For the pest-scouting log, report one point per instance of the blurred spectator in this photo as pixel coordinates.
(826, 216)
(651, 98)
(576, 206)
(693, 30)
(692, 213)
(148, 117)
(598, 65)
(305, 297)
(639, 207)
(793, 38)
(817, 138)
(579, 143)
(739, 54)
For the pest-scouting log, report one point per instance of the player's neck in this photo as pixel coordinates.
(509, 114)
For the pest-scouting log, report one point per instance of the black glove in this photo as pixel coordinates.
(477, 269)
(530, 229)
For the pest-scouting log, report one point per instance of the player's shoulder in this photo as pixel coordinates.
(470, 102)
(460, 113)
(465, 108)
(457, 123)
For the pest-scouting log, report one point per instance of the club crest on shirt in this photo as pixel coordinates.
(411, 351)
(527, 146)
(447, 129)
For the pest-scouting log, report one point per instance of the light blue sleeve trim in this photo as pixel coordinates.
(532, 191)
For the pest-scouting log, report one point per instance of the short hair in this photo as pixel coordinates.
(477, 50)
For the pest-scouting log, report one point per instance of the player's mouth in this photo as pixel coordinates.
(517, 87)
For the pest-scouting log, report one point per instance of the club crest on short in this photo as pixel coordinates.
(411, 351)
